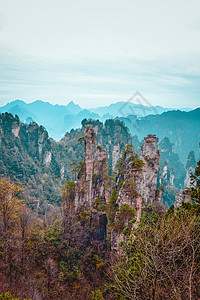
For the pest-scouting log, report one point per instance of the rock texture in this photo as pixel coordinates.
(113, 135)
(100, 175)
(138, 188)
(171, 174)
(91, 190)
(151, 157)
(190, 168)
(15, 130)
(184, 196)
(91, 184)
(130, 184)
(84, 183)
(132, 181)
(28, 155)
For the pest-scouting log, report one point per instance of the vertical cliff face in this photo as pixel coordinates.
(137, 183)
(89, 152)
(84, 183)
(151, 157)
(183, 196)
(89, 162)
(129, 197)
(116, 153)
(91, 184)
(91, 190)
(130, 179)
(171, 174)
(16, 129)
(38, 144)
(190, 168)
(100, 175)
(113, 135)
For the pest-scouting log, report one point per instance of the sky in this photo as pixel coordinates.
(99, 52)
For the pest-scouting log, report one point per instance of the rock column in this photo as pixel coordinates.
(151, 157)
(89, 162)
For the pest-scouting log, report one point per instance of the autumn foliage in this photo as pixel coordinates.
(51, 255)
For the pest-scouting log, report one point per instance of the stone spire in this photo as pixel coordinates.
(100, 174)
(151, 157)
(91, 183)
(89, 152)
(190, 168)
(89, 161)
(84, 183)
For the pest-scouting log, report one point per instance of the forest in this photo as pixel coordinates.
(52, 256)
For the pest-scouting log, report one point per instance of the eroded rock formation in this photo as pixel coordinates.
(91, 189)
(184, 196)
(84, 183)
(91, 184)
(100, 190)
(138, 188)
(130, 184)
(190, 168)
(151, 157)
(172, 173)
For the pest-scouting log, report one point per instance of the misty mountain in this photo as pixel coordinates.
(182, 129)
(123, 109)
(58, 119)
(44, 113)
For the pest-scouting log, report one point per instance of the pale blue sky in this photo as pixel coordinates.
(99, 52)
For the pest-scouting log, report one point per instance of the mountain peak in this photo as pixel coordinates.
(73, 108)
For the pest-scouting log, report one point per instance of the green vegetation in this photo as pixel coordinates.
(195, 181)
(68, 195)
(123, 217)
(9, 296)
(99, 147)
(41, 164)
(54, 255)
(128, 155)
(161, 257)
(50, 256)
(100, 204)
(112, 207)
(81, 139)
(78, 169)
(171, 170)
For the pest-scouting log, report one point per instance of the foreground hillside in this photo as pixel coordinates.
(61, 255)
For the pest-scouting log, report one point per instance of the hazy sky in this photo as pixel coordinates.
(99, 52)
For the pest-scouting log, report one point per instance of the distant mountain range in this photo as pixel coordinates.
(58, 119)
(124, 109)
(182, 129)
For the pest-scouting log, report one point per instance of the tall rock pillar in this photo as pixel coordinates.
(151, 157)
(84, 183)
(89, 161)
